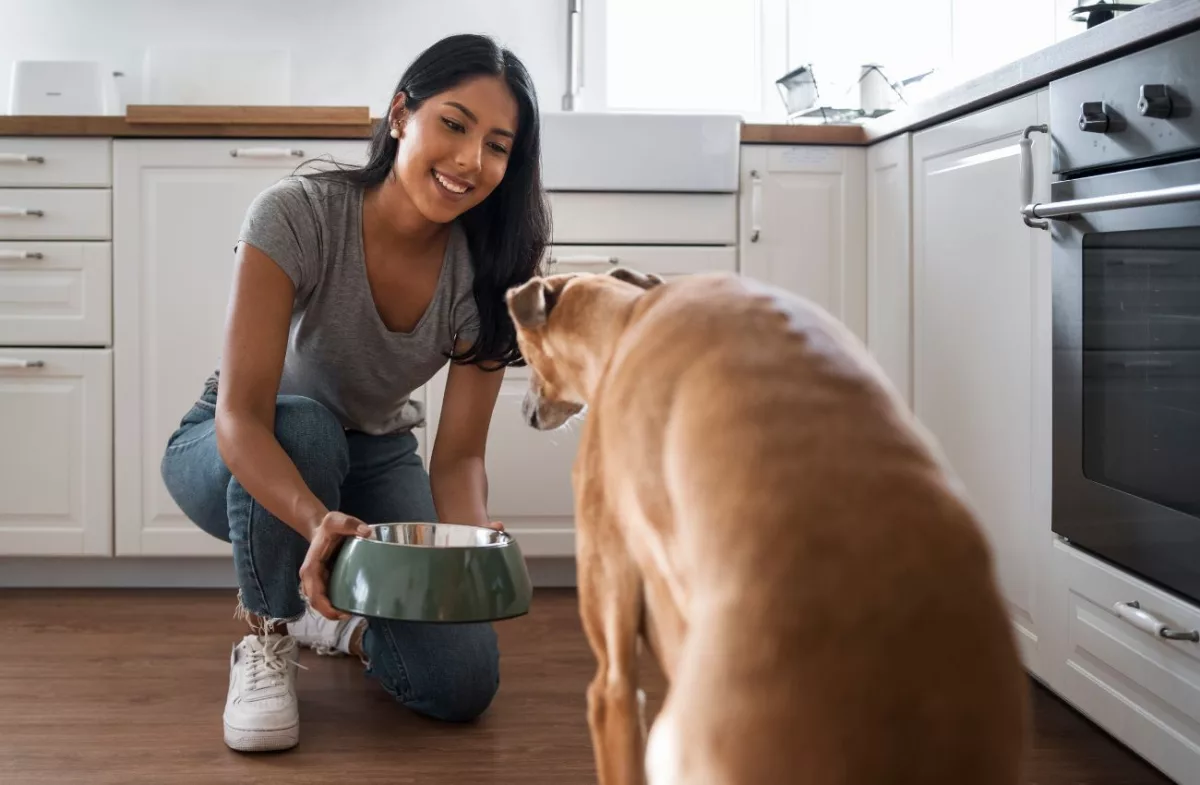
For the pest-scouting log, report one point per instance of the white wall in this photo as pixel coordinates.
(342, 52)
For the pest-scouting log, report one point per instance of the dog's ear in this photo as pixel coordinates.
(644, 280)
(527, 304)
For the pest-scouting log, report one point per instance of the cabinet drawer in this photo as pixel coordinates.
(644, 218)
(55, 214)
(1142, 687)
(38, 162)
(55, 294)
(660, 259)
(56, 462)
(282, 155)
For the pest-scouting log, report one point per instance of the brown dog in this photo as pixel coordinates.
(756, 504)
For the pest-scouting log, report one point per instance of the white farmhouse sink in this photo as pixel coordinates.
(611, 151)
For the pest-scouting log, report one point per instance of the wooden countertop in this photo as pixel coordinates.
(118, 126)
(1149, 25)
(766, 133)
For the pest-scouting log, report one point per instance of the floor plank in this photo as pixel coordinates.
(105, 687)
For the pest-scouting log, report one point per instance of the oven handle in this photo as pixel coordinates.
(1064, 210)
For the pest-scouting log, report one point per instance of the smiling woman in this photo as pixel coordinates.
(353, 287)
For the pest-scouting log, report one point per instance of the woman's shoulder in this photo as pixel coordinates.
(299, 191)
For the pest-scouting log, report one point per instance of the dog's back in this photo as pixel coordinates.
(843, 624)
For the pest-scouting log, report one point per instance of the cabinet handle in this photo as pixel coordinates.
(755, 205)
(1132, 612)
(266, 152)
(7, 254)
(15, 212)
(1027, 175)
(12, 362)
(583, 259)
(21, 158)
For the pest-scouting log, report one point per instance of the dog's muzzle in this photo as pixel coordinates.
(529, 408)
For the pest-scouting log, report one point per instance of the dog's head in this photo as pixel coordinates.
(566, 329)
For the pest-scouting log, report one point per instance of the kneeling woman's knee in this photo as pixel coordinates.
(449, 673)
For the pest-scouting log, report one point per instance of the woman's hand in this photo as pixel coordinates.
(314, 574)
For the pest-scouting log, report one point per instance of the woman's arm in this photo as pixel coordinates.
(456, 469)
(256, 333)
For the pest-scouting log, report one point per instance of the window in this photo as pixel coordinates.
(683, 55)
(718, 56)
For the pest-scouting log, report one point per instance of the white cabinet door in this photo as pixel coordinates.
(802, 224)
(55, 294)
(56, 459)
(177, 209)
(889, 259)
(981, 339)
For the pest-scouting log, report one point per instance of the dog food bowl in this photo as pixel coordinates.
(431, 572)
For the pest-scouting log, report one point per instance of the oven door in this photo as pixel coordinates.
(1126, 369)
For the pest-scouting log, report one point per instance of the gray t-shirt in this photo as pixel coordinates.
(339, 351)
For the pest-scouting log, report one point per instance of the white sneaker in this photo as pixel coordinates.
(261, 712)
(324, 636)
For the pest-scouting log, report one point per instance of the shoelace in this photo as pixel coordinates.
(268, 664)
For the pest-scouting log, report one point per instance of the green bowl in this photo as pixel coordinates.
(431, 572)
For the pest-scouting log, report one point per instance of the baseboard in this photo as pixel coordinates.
(184, 573)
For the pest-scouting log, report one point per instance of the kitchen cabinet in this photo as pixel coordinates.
(981, 339)
(56, 465)
(889, 259)
(56, 423)
(802, 224)
(178, 205)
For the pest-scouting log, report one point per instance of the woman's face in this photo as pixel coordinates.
(455, 148)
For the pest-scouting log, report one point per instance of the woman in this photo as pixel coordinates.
(352, 288)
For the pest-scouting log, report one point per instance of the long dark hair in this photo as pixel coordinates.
(507, 232)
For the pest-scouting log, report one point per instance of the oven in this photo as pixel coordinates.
(1124, 218)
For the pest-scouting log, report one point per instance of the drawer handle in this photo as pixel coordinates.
(20, 158)
(7, 254)
(583, 259)
(755, 206)
(1132, 612)
(12, 362)
(266, 152)
(18, 212)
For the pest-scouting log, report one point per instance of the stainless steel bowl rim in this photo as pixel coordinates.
(503, 538)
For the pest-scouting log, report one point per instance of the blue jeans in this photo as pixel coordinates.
(446, 671)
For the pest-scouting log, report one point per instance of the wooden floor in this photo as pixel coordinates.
(127, 687)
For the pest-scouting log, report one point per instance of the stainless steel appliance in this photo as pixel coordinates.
(1125, 219)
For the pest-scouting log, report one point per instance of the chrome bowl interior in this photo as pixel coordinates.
(437, 535)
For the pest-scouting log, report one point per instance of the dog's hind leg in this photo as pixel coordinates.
(610, 605)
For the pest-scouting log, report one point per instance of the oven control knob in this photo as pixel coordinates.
(1154, 101)
(1092, 117)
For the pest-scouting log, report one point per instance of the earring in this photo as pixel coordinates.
(395, 132)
